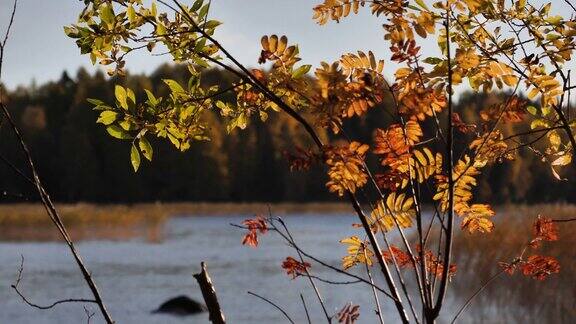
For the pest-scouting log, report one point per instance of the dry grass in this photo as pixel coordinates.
(82, 213)
(29, 222)
(518, 299)
(79, 214)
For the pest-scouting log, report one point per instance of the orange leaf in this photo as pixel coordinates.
(539, 267)
(294, 267)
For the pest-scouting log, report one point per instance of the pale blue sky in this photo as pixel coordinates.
(39, 49)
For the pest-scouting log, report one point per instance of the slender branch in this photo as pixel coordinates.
(16, 169)
(89, 314)
(55, 217)
(333, 282)
(532, 132)
(305, 309)
(374, 292)
(402, 282)
(6, 35)
(450, 158)
(476, 293)
(16, 285)
(273, 304)
(564, 220)
(566, 126)
(316, 290)
(570, 4)
(45, 198)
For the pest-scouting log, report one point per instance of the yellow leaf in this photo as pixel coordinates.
(358, 252)
(477, 218)
(563, 160)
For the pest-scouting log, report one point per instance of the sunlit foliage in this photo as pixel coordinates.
(428, 153)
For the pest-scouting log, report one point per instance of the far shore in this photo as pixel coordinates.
(28, 221)
(72, 213)
(176, 208)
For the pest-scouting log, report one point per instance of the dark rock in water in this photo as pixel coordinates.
(182, 306)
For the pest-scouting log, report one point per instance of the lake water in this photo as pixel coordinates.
(136, 276)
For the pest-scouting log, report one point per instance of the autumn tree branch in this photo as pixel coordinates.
(45, 198)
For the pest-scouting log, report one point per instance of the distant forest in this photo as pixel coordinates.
(79, 162)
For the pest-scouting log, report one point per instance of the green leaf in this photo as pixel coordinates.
(242, 121)
(107, 117)
(174, 86)
(96, 102)
(211, 24)
(301, 71)
(432, 60)
(200, 62)
(539, 123)
(146, 148)
(131, 14)
(160, 29)
(174, 140)
(197, 4)
(121, 96)
(204, 11)
(532, 110)
(107, 14)
(154, 9)
(422, 4)
(135, 158)
(117, 132)
(127, 125)
(554, 20)
(153, 101)
(130, 94)
(71, 32)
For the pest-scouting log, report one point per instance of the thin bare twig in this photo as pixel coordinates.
(273, 304)
(476, 293)
(6, 35)
(316, 290)
(16, 285)
(89, 314)
(564, 220)
(305, 309)
(374, 292)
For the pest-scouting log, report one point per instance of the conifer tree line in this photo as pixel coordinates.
(79, 162)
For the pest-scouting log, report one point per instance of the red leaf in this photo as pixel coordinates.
(254, 225)
(545, 229)
(294, 267)
(402, 258)
(539, 267)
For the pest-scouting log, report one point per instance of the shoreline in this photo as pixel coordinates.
(29, 222)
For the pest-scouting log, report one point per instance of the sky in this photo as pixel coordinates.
(38, 49)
